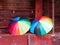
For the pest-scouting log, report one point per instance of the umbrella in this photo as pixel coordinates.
(19, 26)
(41, 26)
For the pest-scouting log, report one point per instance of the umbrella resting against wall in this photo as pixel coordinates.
(20, 26)
(41, 26)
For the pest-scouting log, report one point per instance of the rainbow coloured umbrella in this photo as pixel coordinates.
(19, 26)
(41, 26)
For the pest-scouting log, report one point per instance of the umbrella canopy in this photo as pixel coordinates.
(19, 26)
(41, 26)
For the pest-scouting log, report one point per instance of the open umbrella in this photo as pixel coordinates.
(41, 26)
(19, 26)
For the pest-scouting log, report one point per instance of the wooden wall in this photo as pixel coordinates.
(31, 9)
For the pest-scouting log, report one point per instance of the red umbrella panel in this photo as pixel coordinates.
(15, 28)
